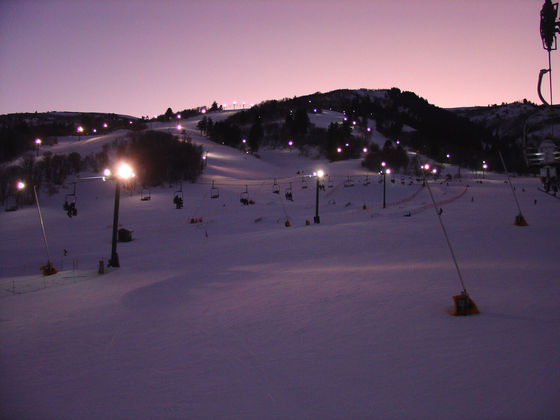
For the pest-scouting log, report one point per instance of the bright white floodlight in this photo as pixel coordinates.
(125, 171)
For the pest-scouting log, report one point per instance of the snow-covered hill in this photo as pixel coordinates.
(239, 316)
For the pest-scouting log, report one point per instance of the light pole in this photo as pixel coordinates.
(385, 172)
(124, 172)
(484, 167)
(319, 175)
(38, 142)
(20, 186)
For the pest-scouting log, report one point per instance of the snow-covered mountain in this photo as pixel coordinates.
(240, 315)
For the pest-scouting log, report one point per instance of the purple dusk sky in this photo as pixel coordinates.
(138, 57)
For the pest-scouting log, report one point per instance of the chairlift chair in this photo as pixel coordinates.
(303, 183)
(288, 194)
(214, 192)
(275, 187)
(70, 203)
(178, 197)
(244, 197)
(330, 183)
(349, 182)
(11, 203)
(366, 181)
(145, 195)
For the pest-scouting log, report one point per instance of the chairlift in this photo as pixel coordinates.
(330, 183)
(244, 197)
(275, 187)
(178, 197)
(69, 205)
(366, 181)
(11, 203)
(349, 182)
(145, 195)
(303, 183)
(288, 193)
(214, 192)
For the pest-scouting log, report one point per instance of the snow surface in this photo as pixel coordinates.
(241, 317)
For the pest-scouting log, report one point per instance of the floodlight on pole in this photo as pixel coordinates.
(124, 172)
(385, 172)
(38, 143)
(318, 175)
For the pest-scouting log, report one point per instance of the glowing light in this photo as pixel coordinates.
(434, 171)
(485, 166)
(347, 144)
(365, 149)
(426, 166)
(339, 149)
(369, 129)
(387, 171)
(38, 141)
(107, 173)
(290, 143)
(178, 116)
(94, 130)
(354, 123)
(203, 111)
(105, 125)
(383, 164)
(314, 109)
(320, 173)
(448, 156)
(125, 171)
(243, 141)
(80, 129)
(179, 126)
(20, 185)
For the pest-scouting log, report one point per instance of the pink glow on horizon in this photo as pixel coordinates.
(149, 56)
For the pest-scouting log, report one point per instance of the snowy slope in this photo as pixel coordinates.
(242, 317)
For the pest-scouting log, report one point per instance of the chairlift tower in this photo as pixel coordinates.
(548, 156)
(549, 26)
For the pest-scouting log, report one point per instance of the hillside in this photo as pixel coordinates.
(238, 316)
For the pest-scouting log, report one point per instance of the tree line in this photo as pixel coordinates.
(157, 157)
